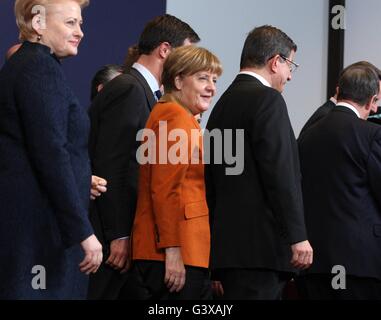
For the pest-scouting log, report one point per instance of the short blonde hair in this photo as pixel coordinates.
(186, 61)
(24, 14)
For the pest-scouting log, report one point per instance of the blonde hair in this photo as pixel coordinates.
(24, 12)
(186, 61)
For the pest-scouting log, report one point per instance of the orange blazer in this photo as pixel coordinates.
(172, 209)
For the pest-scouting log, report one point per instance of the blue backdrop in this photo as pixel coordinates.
(110, 27)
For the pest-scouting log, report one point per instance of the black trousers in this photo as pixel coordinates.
(319, 287)
(252, 284)
(197, 284)
(109, 284)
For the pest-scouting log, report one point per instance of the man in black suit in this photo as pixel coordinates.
(118, 112)
(341, 167)
(257, 221)
(323, 110)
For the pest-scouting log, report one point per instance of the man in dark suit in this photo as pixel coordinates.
(118, 112)
(323, 110)
(341, 167)
(257, 221)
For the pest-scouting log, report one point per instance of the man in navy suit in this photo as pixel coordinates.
(117, 113)
(341, 168)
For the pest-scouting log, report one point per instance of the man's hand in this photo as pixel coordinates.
(174, 269)
(98, 186)
(302, 255)
(93, 255)
(119, 253)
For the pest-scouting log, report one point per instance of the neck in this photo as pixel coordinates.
(153, 64)
(362, 110)
(260, 71)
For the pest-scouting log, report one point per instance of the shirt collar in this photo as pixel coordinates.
(151, 80)
(349, 106)
(257, 76)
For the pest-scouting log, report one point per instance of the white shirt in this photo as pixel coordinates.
(257, 76)
(349, 106)
(151, 80)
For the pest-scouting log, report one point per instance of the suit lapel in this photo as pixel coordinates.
(151, 101)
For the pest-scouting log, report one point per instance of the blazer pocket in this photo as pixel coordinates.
(377, 230)
(196, 209)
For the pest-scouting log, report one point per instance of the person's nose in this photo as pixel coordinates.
(79, 32)
(211, 87)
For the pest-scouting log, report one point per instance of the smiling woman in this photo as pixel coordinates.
(54, 23)
(44, 168)
(171, 236)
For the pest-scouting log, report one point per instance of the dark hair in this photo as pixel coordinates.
(364, 64)
(263, 43)
(358, 83)
(104, 75)
(165, 28)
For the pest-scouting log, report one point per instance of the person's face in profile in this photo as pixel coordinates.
(63, 28)
(284, 72)
(196, 91)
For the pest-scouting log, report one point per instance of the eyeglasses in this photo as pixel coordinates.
(292, 65)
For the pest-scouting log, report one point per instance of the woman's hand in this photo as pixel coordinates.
(93, 255)
(174, 269)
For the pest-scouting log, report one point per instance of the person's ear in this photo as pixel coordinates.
(274, 63)
(37, 24)
(164, 50)
(369, 106)
(374, 103)
(178, 83)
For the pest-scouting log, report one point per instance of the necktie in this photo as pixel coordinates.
(158, 94)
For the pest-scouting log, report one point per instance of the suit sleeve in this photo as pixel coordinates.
(277, 158)
(115, 159)
(44, 113)
(166, 187)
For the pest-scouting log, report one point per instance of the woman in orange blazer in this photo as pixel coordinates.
(171, 235)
